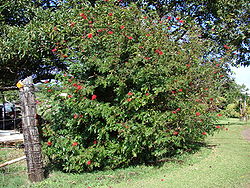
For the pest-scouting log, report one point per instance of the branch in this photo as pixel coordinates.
(12, 161)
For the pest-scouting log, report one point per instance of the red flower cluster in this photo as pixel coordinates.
(159, 52)
(49, 143)
(204, 133)
(54, 50)
(226, 47)
(175, 133)
(83, 16)
(75, 144)
(89, 162)
(93, 97)
(197, 113)
(78, 87)
(129, 93)
(90, 35)
(122, 27)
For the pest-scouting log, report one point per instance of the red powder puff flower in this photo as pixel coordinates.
(188, 65)
(93, 97)
(49, 90)
(169, 18)
(72, 24)
(180, 90)
(219, 115)
(204, 133)
(122, 27)
(94, 142)
(70, 96)
(181, 21)
(110, 32)
(226, 47)
(54, 50)
(75, 116)
(46, 81)
(175, 133)
(148, 35)
(160, 52)
(49, 143)
(110, 14)
(83, 16)
(178, 18)
(74, 144)
(173, 92)
(129, 93)
(129, 99)
(174, 112)
(90, 35)
(211, 99)
(178, 109)
(99, 30)
(218, 127)
(79, 87)
(130, 38)
(89, 163)
(197, 113)
(147, 94)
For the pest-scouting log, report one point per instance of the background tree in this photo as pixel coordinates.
(24, 50)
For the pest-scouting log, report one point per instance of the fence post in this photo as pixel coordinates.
(32, 144)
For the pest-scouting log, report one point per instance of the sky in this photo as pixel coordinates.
(242, 76)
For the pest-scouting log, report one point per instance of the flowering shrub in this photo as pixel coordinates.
(136, 90)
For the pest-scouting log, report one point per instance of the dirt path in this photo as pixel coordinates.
(246, 134)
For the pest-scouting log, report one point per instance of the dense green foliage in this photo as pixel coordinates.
(132, 92)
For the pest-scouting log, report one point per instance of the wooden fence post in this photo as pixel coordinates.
(32, 144)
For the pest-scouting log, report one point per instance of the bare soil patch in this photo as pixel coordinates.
(246, 134)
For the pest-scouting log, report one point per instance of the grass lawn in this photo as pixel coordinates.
(224, 163)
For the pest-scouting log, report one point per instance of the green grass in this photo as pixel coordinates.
(224, 163)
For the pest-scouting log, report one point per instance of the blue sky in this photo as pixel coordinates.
(242, 76)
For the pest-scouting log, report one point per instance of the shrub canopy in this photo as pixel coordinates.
(135, 89)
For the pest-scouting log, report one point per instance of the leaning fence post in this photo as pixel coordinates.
(32, 144)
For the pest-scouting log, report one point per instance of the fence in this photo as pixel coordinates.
(29, 125)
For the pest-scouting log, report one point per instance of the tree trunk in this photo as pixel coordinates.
(30, 131)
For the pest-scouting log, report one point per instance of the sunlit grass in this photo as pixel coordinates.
(225, 162)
